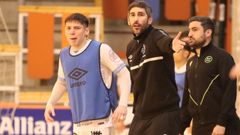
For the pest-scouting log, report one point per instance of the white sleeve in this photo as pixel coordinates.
(124, 86)
(112, 61)
(60, 71)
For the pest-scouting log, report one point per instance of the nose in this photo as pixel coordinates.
(71, 31)
(135, 18)
(190, 34)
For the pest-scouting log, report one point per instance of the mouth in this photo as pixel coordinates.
(73, 39)
(136, 25)
(190, 40)
(136, 29)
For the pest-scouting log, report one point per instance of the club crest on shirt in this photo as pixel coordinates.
(208, 59)
(130, 58)
(143, 50)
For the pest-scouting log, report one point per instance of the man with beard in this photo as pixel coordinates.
(150, 58)
(209, 95)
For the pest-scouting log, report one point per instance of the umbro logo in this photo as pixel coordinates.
(77, 73)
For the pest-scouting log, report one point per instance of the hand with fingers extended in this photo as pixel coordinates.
(178, 44)
(49, 113)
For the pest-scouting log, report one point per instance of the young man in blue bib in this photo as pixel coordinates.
(93, 75)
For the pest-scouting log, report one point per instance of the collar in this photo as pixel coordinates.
(81, 49)
(205, 48)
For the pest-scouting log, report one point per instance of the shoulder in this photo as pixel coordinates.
(94, 42)
(65, 49)
(221, 53)
(159, 32)
(222, 56)
(106, 50)
(105, 47)
(162, 32)
(160, 35)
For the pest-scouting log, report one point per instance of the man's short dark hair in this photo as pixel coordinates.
(78, 17)
(205, 21)
(141, 4)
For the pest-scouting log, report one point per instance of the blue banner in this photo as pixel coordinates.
(30, 121)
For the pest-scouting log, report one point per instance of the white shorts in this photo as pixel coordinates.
(93, 127)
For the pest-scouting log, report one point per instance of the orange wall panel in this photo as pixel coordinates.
(203, 7)
(40, 39)
(115, 9)
(177, 9)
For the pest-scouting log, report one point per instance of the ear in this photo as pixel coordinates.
(87, 31)
(128, 21)
(208, 32)
(150, 20)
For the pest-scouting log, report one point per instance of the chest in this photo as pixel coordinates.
(142, 51)
(203, 67)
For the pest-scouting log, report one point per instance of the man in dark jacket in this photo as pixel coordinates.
(209, 96)
(150, 58)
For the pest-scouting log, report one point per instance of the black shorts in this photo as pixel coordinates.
(166, 123)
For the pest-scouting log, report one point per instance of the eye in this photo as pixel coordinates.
(141, 14)
(67, 28)
(132, 14)
(77, 27)
(194, 30)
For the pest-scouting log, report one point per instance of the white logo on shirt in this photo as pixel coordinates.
(208, 59)
(130, 58)
(143, 50)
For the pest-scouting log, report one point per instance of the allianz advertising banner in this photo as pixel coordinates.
(30, 121)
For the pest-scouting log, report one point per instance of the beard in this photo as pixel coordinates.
(197, 44)
(140, 29)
